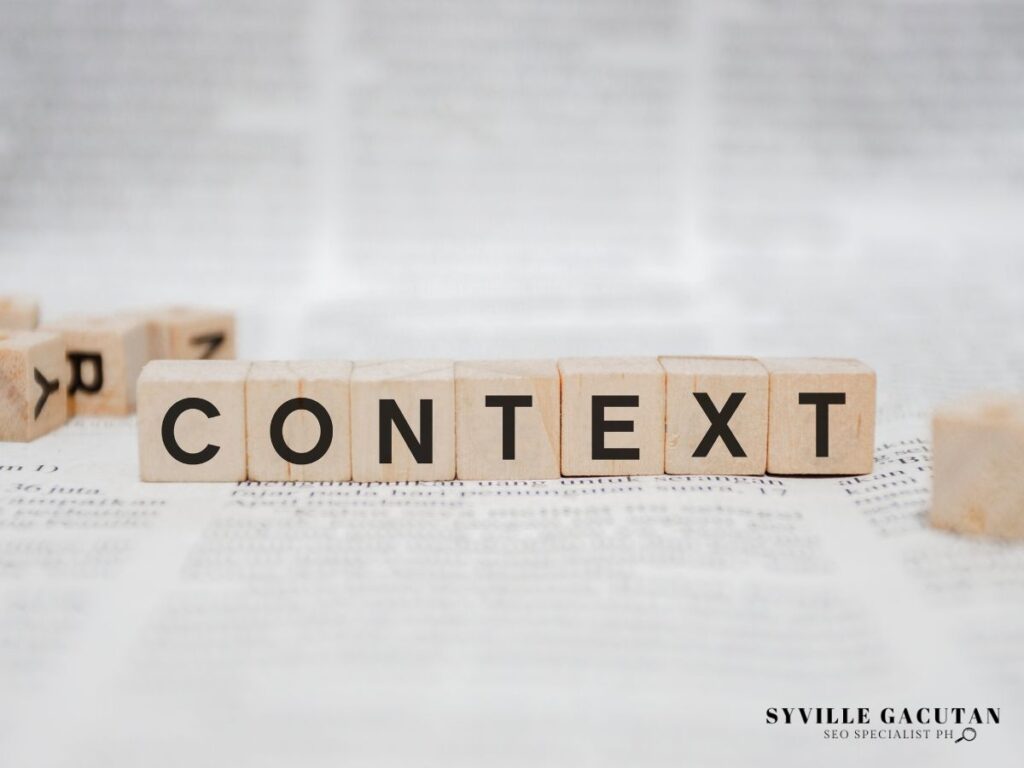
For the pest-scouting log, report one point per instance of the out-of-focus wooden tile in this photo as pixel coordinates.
(978, 466)
(521, 396)
(313, 400)
(105, 356)
(33, 384)
(18, 313)
(189, 333)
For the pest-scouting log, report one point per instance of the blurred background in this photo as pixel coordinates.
(394, 177)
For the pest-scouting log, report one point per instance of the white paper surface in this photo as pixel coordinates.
(610, 620)
(466, 179)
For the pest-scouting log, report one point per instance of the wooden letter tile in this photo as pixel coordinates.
(613, 416)
(978, 466)
(415, 401)
(189, 333)
(297, 416)
(192, 420)
(18, 313)
(821, 416)
(716, 416)
(105, 356)
(507, 415)
(33, 384)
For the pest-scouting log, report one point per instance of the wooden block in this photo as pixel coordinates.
(18, 313)
(189, 333)
(507, 420)
(33, 387)
(105, 356)
(613, 416)
(716, 416)
(192, 420)
(297, 416)
(821, 416)
(978, 466)
(403, 394)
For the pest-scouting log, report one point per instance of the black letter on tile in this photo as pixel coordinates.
(315, 453)
(78, 384)
(422, 450)
(205, 407)
(211, 341)
(599, 427)
(821, 401)
(719, 424)
(48, 387)
(508, 405)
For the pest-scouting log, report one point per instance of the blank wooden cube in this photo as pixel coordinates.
(978, 466)
(192, 420)
(105, 356)
(716, 416)
(18, 313)
(297, 416)
(33, 387)
(415, 400)
(189, 333)
(507, 420)
(613, 416)
(821, 416)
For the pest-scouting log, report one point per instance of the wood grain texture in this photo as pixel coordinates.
(220, 382)
(479, 431)
(696, 383)
(120, 344)
(978, 466)
(269, 386)
(18, 313)
(33, 384)
(583, 379)
(407, 382)
(794, 440)
(189, 333)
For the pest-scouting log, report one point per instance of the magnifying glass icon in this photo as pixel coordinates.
(968, 734)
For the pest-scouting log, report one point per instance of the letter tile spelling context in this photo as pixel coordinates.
(409, 420)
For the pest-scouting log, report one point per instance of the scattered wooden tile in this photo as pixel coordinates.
(189, 333)
(33, 384)
(105, 356)
(978, 466)
(18, 313)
